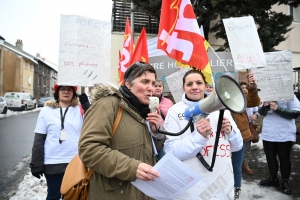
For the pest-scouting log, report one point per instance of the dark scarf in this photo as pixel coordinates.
(134, 101)
(160, 97)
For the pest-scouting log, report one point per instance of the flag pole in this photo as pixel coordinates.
(219, 59)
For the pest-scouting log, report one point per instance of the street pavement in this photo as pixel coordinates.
(16, 139)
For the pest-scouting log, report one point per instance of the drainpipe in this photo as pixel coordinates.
(132, 20)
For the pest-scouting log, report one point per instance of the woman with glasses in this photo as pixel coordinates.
(56, 137)
(130, 153)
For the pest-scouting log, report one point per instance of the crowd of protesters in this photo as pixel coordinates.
(70, 124)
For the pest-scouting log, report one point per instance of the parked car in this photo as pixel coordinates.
(19, 101)
(3, 106)
(42, 101)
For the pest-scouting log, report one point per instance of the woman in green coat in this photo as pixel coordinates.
(130, 153)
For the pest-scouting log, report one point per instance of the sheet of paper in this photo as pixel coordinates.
(175, 178)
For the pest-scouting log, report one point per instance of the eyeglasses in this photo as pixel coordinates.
(66, 89)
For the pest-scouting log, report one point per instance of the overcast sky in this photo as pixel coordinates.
(37, 22)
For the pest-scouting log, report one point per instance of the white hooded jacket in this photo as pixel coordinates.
(218, 184)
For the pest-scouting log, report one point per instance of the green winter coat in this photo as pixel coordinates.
(114, 160)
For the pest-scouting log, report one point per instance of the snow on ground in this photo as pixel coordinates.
(32, 188)
(14, 113)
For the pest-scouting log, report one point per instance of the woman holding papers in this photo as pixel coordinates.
(129, 154)
(219, 183)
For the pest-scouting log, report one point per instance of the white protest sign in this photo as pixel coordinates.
(84, 51)
(175, 84)
(244, 43)
(276, 80)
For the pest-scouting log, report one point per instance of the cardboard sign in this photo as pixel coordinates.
(84, 51)
(276, 80)
(244, 43)
(175, 84)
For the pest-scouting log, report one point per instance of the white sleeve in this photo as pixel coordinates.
(186, 145)
(235, 137)
(294, 104)
(41, 126)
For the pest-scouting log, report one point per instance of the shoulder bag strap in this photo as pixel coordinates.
(115, 126)
(117, 121)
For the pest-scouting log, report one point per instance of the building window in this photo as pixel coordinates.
(29, 80)
(295, 12)
(31, 68)
(122, 9)
(40, 67)
(26, 65)
(40, 81)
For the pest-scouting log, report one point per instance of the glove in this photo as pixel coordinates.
(38, 174)
(83, 98)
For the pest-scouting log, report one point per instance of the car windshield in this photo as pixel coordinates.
(45, 98)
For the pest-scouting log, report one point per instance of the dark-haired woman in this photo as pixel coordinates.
(56, 137)
(217, 184)
(130, 153)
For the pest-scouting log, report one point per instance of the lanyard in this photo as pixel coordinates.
(62, 117)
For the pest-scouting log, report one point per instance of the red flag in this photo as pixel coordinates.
(119, 65)
(179, 34)
(140, 52)
(127, 51)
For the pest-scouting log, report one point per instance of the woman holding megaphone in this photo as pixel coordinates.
(200, 139)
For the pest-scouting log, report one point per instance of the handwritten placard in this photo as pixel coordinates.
(244, 43)
(84, 51)
(276, 80)
(175, 84)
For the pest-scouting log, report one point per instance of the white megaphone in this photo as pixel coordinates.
(227, 94)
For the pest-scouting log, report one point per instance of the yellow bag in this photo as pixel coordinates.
(76, 179)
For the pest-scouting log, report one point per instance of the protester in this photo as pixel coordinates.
(209, 88)
(243, 124)
(130, 153)
(164, 105)
(252, 114)
(217, 184)
(56, 137)
(278, 134)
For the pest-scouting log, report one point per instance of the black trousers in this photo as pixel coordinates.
(283, 151)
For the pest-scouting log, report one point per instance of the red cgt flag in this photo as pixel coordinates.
(140, 52)
(179, 34)
(127, 51)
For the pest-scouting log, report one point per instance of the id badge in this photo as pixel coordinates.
(63, 135)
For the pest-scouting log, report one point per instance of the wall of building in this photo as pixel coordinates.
(28, 76)
(11, 71)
